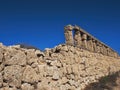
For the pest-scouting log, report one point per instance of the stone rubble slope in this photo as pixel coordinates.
(61, 68)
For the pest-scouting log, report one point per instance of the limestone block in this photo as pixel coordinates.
(41, 86)
(8, 88)
(70, 76)
(15, 46)
(13, 75)
(1, 66)
(1, 79)
(41, 70)
(72, 88)
(30, 75)
(64, 80)
(82, 86)
(68, 60)
(47, 52)
(75, 69)
(67, 86)
(58, 48)
(3, 48)
(68, 69)
(34, 65)
(14, 57)
(71, 82)
(81, 67)
(59, 64)
(1, 56)
(55, 88)
(64, 48)
(49, 71)
(64, 70)
(68, 37)
(83, 73)
(94, 46)
(63, 87)
(55, 75)
(72, 49)
(55, 56)
(90, 45)
(30, 53)
(53, 63)
(32, 60)
(39, 53)
(90, 71)
(60, 72)
(92, 78)
(77, 38)
(54, 83)
(84, 36)
(77, 52)
(27, 86)
(76, 60)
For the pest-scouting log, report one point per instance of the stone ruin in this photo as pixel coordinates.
(64, 67)
(78, 37)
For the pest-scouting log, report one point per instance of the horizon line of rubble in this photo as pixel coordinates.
(78, 37)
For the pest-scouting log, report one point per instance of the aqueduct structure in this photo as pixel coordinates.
(78, 37)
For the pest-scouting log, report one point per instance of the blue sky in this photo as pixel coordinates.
(41, 22)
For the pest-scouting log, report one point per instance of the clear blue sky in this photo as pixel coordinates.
(40, 22)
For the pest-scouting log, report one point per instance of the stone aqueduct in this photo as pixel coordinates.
(77, 37)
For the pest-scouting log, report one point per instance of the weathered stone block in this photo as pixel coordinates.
(41, 86)
(8, 88)
(1, 79)
(68, 69)
(13, 75)
(30, 75)
(27, 86)
(1, 56)
(1, 66)
(14, 57)
(55, 75)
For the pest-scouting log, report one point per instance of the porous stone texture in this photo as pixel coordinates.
(61, 68)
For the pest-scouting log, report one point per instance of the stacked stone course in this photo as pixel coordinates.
(61, 68)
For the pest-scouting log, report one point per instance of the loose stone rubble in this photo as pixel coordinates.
(64, 67)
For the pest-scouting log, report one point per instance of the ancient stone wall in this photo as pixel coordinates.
(62, 68)
(80, 38)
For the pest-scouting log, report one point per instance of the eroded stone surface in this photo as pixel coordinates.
(14, 57)
(30, 75)
(13, 75)
(27, 86)
(61, 68)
